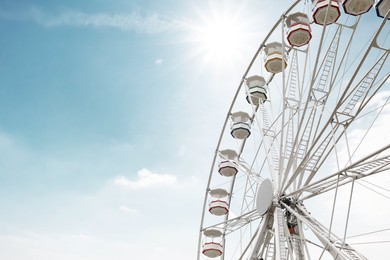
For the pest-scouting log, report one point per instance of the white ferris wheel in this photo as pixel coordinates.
(295, 149)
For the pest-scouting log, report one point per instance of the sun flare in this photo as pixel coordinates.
(220, 37)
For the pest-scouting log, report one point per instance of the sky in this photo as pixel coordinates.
(109, 116)
(110, 112)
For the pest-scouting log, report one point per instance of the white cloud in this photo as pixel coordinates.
(5, 141)
(149, 23)
(158, 61)
(146, 179)
(182, 151)
(84, 236)
(127, 209)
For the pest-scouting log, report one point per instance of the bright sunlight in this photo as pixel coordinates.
(221, 36)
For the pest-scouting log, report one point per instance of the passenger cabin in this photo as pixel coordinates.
(227, 166)
(325, 11)
(357, 7)
(299, 32)
(241, 125)
(212, 249)
(257, 92)
(275, 61)
(212, 232)
(382, 7)
(219, 205)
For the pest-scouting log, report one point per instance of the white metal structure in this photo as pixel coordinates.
(290, 194)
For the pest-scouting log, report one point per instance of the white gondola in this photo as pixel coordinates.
(357, 7)
(275, 62)
(219, 205)
(212, 232)
(241, 125)
(257, 92)
(227, 167)
(218, 193)
(382, 7)
(299, 32)
(212, 249)
(325, 11)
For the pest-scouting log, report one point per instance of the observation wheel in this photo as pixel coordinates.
(301, 139)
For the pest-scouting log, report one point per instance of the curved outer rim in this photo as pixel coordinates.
(227, 119)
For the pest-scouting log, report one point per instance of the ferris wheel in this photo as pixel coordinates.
(296, 140)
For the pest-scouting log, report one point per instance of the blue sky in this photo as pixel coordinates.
(109, 115)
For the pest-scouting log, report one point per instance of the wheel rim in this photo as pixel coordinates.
(323, 91)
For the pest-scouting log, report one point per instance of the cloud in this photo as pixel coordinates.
(146, 179)
(148, 23)
(158, 61)
(182, 151)
(127, 209)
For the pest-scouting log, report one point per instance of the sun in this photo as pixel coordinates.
(219, 38)
(220, 35)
